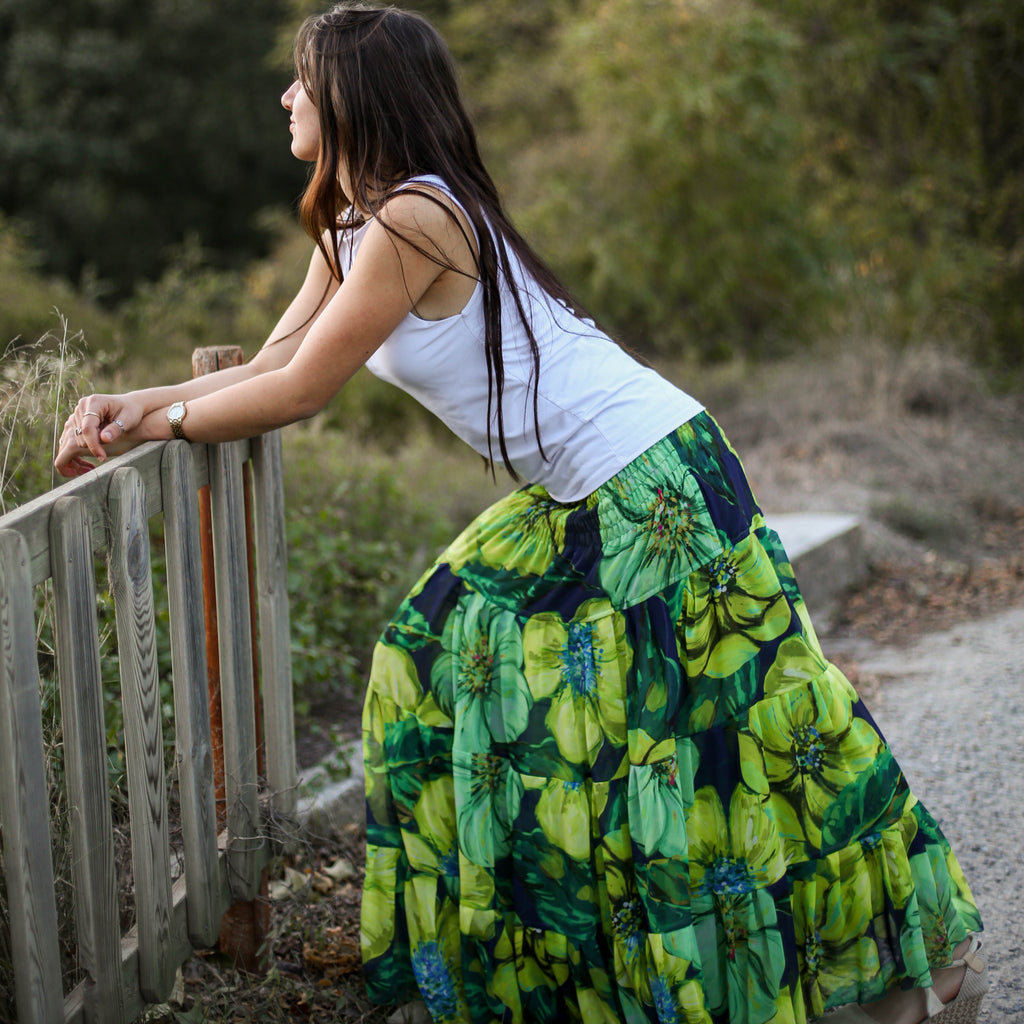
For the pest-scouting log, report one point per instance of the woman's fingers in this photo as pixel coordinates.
(98, 421)
(113, 431)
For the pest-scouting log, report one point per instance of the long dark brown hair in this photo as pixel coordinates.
(386, 91)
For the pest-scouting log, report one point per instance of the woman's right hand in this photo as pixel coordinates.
(97, 421)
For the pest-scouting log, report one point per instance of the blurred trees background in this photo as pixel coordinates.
(710, 176)
(127, 127)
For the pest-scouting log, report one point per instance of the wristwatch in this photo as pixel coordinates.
(175, 414)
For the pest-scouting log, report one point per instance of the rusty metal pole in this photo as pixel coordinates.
(244, 925)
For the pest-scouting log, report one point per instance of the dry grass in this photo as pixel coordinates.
(916, 442)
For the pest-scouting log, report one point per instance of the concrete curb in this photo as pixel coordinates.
(325, 803)
(827, 554)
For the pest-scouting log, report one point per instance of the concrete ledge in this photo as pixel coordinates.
(827, 554)
(826, 551)
(326, 803)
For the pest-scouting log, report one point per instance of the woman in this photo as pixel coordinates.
(610, 775)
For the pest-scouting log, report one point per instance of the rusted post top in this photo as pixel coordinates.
(215, 357)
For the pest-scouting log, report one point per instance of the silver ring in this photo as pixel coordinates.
(78, 431)
(89, 412)
(121, 425)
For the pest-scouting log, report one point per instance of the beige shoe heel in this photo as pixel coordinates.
(964, 1008)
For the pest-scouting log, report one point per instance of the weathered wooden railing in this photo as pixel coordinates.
(57, 537)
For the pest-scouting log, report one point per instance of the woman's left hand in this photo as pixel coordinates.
(100, 425)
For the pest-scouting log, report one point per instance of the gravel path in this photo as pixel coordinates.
(952, 708)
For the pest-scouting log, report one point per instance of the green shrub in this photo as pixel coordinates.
(30, 300)
(356, 543)
(679, 206)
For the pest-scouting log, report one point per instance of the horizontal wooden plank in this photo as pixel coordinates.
(32, 520)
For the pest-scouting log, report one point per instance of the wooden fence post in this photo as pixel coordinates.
(85, 754)
(27, 862)
(245, 924)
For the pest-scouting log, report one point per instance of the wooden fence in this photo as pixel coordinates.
(56, 537)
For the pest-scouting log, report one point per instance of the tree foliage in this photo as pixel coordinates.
(922, 155)
(125, 127)
(708, 175)
(678, 202)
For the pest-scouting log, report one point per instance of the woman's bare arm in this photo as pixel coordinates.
(387, 279)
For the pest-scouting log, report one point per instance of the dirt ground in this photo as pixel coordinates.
(915, 443)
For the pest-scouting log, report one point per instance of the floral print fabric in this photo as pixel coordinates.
(611, 777)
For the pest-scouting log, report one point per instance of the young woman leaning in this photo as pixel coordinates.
(610, 775)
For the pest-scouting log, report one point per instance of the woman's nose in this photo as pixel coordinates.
(288, 95)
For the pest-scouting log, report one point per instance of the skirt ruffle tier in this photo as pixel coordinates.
(611, 776)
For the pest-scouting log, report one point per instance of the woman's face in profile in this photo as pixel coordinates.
(305, 122)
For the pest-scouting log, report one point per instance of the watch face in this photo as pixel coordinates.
(176, 411)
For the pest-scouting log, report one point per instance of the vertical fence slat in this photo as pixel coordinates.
(236, 666)
(131, 583)
(27, 863)
(81, 700)
(275, 643)
(191, 708)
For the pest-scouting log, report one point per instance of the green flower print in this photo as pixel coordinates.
(735, 605)
(578, 667)
(563, 813)
(487, 796)
(833, 912)
(732, 862)
(434, 974)
(377, 920)
(798, 663)
(815, 748)
(482, 663)
(676, 991)
(397, 686)
(734, 856)
(430, 846)
(519, 534)
(660, 793)
(530, 965)
(668, 534)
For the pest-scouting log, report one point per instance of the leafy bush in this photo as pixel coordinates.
(357, 541)
(679, 205)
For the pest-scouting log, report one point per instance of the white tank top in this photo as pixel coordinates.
(598, 408)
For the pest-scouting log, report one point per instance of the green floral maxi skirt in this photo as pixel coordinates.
(611, 777)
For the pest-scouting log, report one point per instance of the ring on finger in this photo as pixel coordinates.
(78, 431)
(90, 412)
(121, 425)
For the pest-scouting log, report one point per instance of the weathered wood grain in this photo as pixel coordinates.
(58, 535)
(85, 757)
(191, 709)
(275, 643)
(180, 949)
(236, 667)
(32, 520)
(131, 584)
(27, 865)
